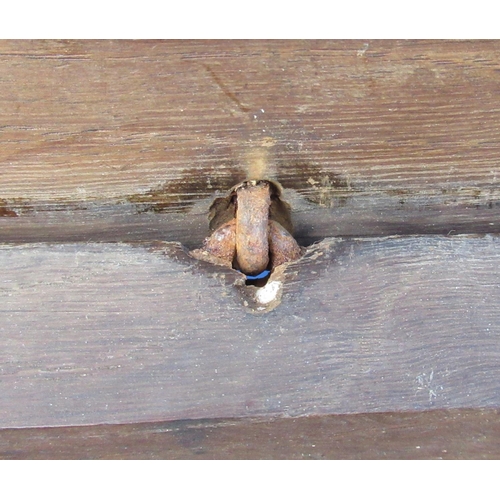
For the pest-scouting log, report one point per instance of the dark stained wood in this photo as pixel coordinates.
(103, 333)
(441, 434)
(115, 224)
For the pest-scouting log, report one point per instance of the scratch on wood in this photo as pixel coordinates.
(226, 91)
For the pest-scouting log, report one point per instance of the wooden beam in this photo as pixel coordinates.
(91, 223)
(440, 434)
(366, 134)
(114, 333)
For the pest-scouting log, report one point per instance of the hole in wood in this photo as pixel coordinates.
(259, 280)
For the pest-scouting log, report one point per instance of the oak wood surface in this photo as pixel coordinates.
(373, 131)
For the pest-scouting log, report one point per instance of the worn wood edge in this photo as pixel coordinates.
(436, 434)
(122, 222)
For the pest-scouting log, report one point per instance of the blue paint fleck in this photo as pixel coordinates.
(263, 274)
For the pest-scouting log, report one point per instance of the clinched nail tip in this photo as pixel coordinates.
(251, 230)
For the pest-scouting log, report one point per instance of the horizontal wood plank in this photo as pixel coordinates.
(94, 223)
(115, 333)
(441, 434)
(378, 128)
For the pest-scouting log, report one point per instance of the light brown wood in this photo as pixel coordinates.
(358, 130)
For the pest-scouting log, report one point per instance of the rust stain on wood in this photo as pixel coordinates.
(5, 211)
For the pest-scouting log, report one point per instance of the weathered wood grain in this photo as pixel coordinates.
(441, 434)
(94, 223)
(113, 333)
(375, 127)
(130, 141)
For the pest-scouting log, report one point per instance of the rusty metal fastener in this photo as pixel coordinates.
(249, 230)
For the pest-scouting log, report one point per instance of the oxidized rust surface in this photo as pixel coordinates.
(252, 227)
(254, 234)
